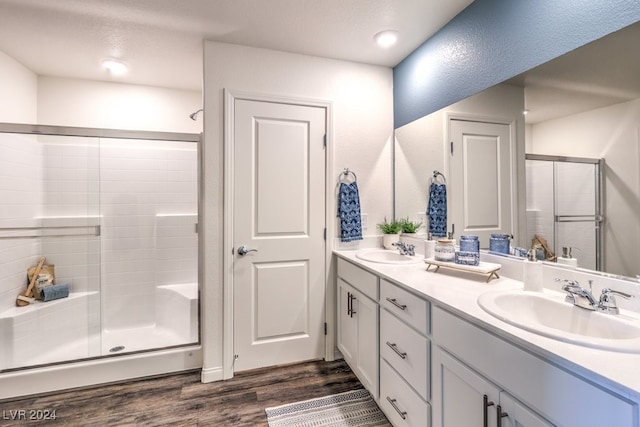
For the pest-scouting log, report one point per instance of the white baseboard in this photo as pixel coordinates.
(212, 374)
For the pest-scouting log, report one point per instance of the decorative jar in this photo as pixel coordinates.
(445, 250)
(469, 244)
(499, 243)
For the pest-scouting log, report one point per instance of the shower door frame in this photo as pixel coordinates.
(599, 216)
(72, 131)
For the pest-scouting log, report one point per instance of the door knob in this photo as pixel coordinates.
(243, 250)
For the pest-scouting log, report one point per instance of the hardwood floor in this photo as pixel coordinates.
(182, 400)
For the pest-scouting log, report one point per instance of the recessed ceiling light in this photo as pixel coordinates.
(114, 67)
(386, 38)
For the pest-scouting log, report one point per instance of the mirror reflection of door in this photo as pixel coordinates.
(481, 179)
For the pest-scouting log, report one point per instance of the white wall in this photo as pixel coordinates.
(422, 147)
(611, 133)
(19, 89)
(84, 103)
(361, 97)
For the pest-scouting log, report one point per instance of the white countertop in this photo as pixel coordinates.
(458, 292)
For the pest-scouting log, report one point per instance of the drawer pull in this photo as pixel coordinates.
(485, 405)
(394, 347)
(501, 415)
(392, 402)
(350, 310)
(394, 302)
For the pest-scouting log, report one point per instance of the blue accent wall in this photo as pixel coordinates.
(493, 40)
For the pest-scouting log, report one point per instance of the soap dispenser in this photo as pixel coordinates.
(566, 257)
(532, 272)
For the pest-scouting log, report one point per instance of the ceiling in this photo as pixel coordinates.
(161, 40)
(602, 73)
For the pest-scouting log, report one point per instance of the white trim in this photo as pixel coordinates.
(212, 374)
(87, 373)
(230, 96)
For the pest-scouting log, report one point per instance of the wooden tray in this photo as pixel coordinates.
(489, 269)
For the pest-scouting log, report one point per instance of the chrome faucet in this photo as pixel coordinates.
(583, 298)
(607, 301)
(405, 249)
(577, 295)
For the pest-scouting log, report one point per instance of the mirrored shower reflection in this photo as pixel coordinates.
(116, 219)
(564, 206)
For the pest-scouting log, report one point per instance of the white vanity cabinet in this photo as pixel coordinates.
(358, 317)
(468, 399)
(405, 361)
(470, 363)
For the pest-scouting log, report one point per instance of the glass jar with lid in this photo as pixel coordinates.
(500, 243)
(469, 244)
(445, 250)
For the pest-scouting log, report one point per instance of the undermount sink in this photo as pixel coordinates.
(384, 256)
(549, 315)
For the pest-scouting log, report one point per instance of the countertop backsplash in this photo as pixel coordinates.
(513, 268)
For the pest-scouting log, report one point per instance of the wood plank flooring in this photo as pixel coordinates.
(182, 400)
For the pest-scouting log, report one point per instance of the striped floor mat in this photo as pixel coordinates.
(353, 408)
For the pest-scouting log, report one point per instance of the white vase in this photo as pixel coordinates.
(389, 239)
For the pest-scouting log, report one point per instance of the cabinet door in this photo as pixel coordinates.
(358, 334)
(466, 399)
(515, 414)
(366, 313)
(347, 325)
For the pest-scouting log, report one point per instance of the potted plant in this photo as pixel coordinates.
(409, 227)
(390, 232)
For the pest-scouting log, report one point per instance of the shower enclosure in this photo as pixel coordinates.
(565, 205)
(115, 213)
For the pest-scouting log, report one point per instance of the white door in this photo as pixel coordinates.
(481, 179)
(279, 205)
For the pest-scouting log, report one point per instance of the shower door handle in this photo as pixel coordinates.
(243, 250)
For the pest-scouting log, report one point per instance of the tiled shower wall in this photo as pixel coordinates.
(143, 194)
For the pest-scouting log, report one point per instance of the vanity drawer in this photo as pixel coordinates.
(409, 308)
(407, 351)
(395, 392)
(362, 280)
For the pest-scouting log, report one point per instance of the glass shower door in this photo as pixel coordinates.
(577, 216)
(149, 214)
(564, 205)
(49, 208)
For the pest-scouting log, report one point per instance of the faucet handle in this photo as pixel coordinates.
(607, 301)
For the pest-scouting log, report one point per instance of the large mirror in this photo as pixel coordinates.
(581, 107)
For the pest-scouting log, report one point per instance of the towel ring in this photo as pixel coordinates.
(346, 172)
(437, 174)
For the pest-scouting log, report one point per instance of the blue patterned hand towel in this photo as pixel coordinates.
(437, 210)
(349, 212)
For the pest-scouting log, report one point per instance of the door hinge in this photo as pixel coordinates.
(324, 141)
(325, 328)
(324, 234)
(451, 145)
